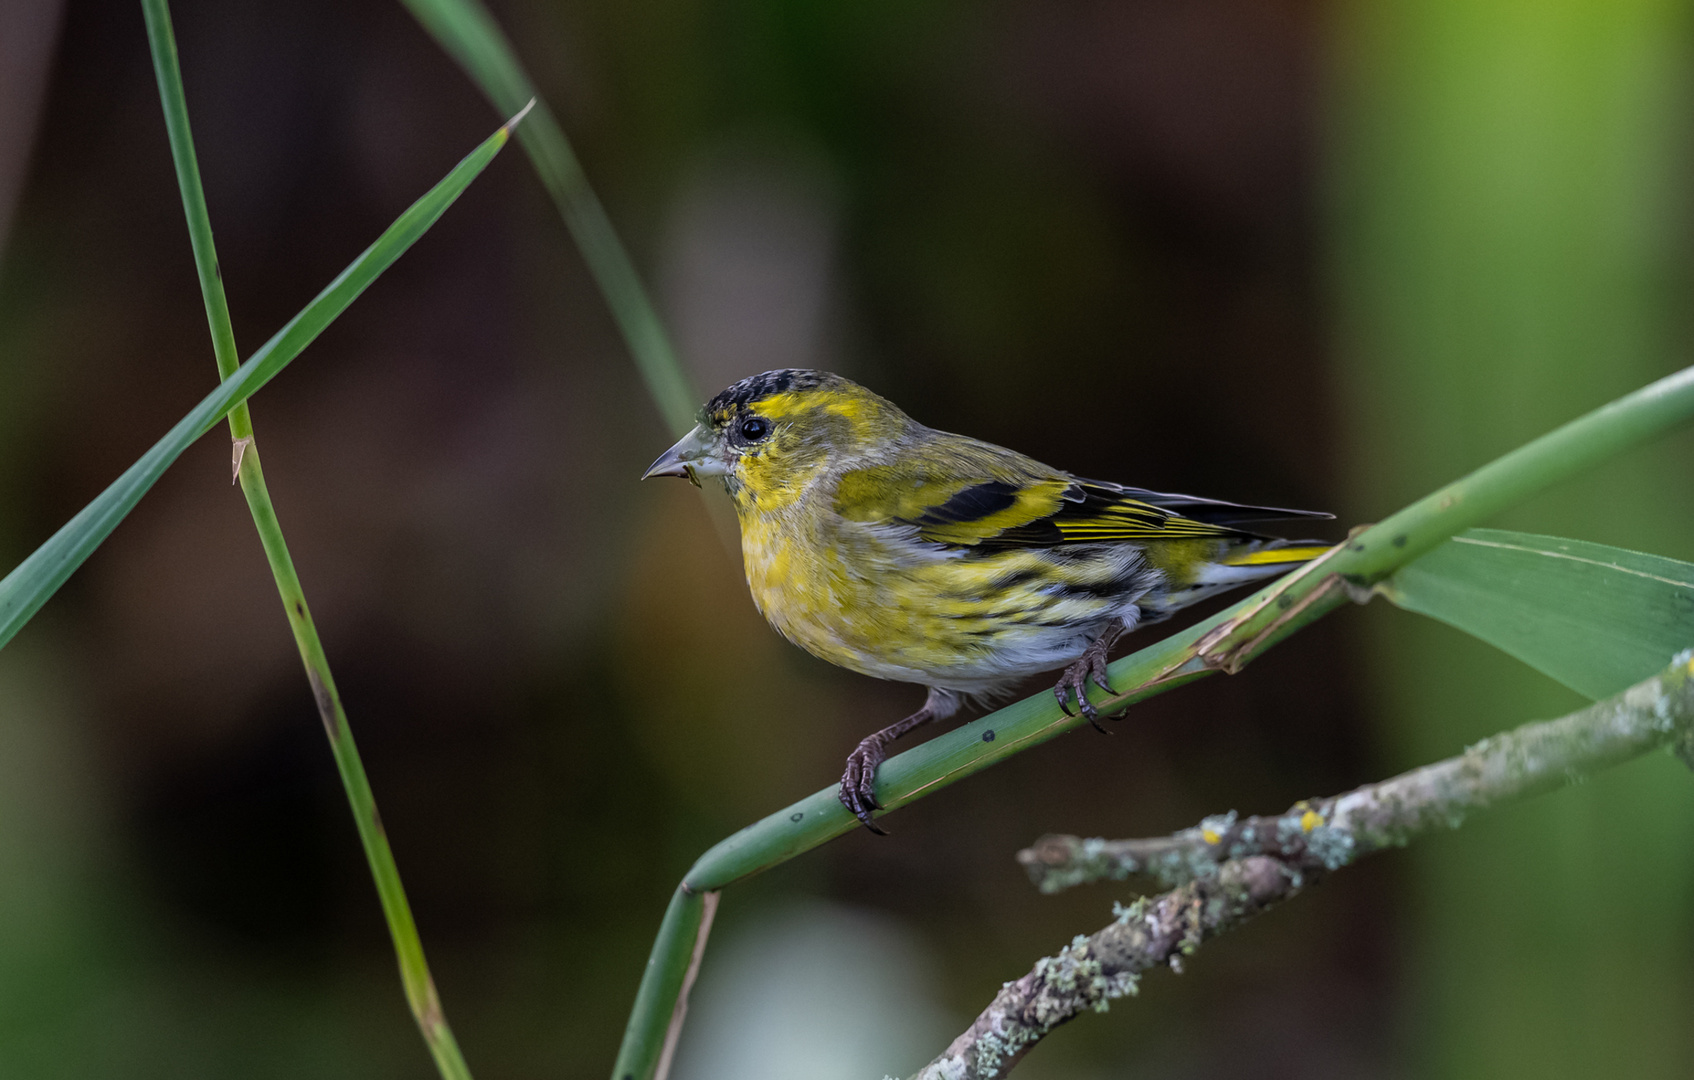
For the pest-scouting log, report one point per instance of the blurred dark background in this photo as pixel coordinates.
(1325, 256)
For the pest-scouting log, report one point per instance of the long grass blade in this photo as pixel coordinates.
(471, 36)
(32, 582)
(415, 978)
(161, 40)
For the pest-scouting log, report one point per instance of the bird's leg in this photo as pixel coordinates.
(858, 792)
(1089, 667)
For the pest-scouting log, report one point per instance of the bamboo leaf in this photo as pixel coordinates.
(1595, 618)
(39, 576)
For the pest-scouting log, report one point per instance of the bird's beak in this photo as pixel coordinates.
(691, 453)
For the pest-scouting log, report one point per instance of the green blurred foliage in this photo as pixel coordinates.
(1512, 249)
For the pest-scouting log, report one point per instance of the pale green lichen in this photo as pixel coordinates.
(1293, 826)
(1183, 863)
(1124, 914)
(1331, 846)
(991, 1050)
(1074, 979)
(1093, 860)
(1124, 982)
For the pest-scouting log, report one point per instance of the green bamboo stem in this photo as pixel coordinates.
(669, 970)
(1239, 633)
(469, 34)
(414, 971)
(1562, 453)
(408, 947)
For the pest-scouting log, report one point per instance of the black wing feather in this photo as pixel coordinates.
(1095, 511)
(1211, 511)
(972, 504)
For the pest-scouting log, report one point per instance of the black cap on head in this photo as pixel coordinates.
(757, 387)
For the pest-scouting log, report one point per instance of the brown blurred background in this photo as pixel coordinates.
(1298, 254)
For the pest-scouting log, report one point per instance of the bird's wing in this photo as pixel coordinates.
(998, 507)
(1090, 512)
(945, 503)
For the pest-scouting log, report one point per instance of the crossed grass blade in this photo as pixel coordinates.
(33, 581)
(415, 978)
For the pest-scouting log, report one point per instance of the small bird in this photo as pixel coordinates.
(905, 553)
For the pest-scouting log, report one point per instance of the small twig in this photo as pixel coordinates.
(1228, 869)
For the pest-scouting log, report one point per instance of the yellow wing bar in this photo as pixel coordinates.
(1276, 556)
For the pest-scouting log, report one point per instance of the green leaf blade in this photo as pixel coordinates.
(33, 581)
(1593, 617)
(469, 34)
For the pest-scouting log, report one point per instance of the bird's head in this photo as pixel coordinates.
(771, 435)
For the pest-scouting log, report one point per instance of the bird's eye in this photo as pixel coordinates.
(755, 428)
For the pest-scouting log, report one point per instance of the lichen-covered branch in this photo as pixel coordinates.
(1092, 970)
(1228, 868)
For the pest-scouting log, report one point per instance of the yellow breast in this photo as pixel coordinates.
(885, 605)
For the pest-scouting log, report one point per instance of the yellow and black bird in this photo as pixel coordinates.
(906, 553)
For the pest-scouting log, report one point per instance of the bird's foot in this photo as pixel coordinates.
(858, 783)
(1090, 667)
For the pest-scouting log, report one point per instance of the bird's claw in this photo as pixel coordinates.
(1062, 692)
(1091, 668)
(858, 784)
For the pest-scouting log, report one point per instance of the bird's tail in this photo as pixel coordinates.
(1274, 556)
(1245, 562)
